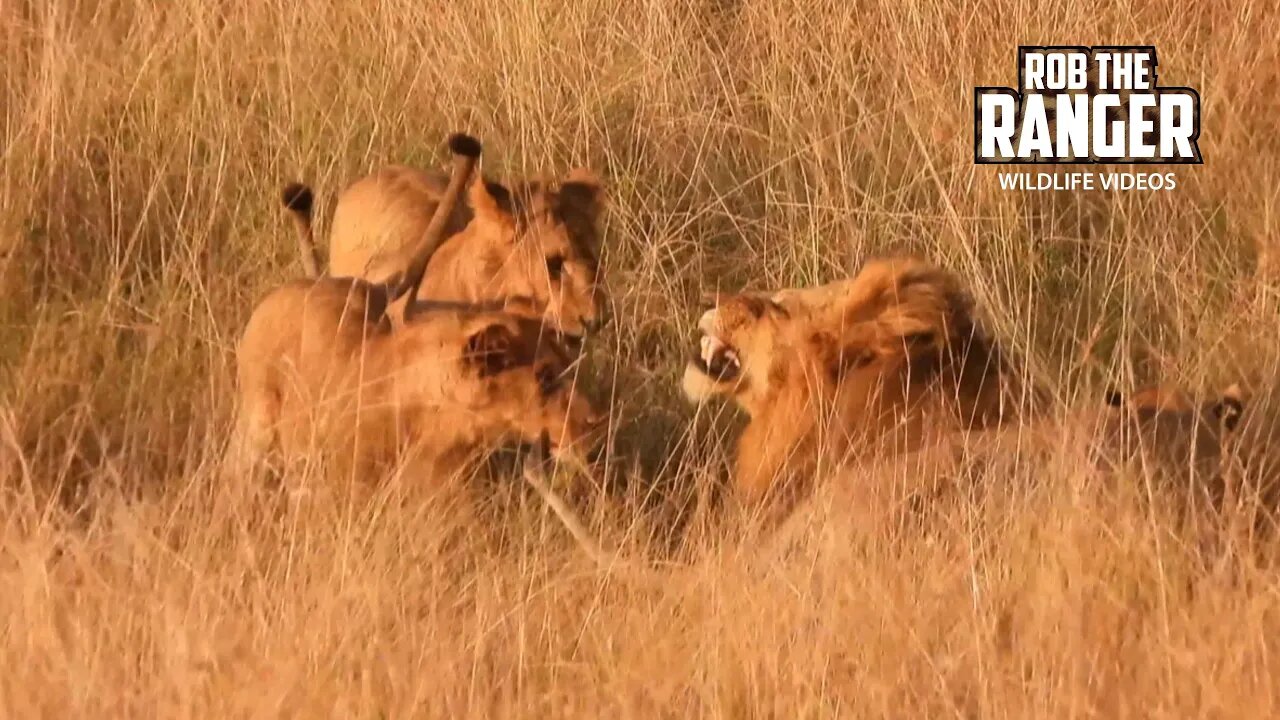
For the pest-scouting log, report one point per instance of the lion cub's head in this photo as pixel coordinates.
(498, 376)
(1149, 403)
(541, 240)
(1166, 423)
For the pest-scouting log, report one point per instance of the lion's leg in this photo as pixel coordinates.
(254, 433)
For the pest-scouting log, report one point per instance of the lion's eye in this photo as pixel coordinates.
(555, 266)
(548, 380)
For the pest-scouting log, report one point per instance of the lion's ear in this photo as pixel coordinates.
(491, 349)
(490, 201)
(582, 192)
(838, 357)
(866, 343)
(712, 298)
(1228, 411)
(788, 300)
(908, 335)
(1230, 407)
(755, 302)
(1113, 398)
(580, 201)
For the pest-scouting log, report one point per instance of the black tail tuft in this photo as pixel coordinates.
(297, 197)
(464, 144)
(1114, 398)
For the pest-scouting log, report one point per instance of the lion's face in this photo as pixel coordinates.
(1167, 424)
(1152, 399)
(740, 340)
(512, 379)
(542, 241)
(1223, 410)
(893, 316)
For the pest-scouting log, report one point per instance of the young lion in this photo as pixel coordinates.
(885, 361)
(1166, 430)
(433, 390)
(535, 239)
(321, 365)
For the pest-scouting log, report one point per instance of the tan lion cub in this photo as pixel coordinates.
(322, 368)
(532, 239)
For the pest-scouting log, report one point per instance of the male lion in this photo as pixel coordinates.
(882, 362)
(533, 239)
(321, 365)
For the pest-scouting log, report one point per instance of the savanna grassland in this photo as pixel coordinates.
(746, 143)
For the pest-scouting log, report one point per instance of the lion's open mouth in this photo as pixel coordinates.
(717, 358)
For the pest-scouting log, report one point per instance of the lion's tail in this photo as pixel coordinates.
(298, 200)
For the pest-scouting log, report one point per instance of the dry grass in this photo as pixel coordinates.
(761, 142)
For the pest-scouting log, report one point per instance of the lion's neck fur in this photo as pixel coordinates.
(785, 427)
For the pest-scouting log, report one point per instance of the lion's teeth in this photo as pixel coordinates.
(731, 356)
(710, 346)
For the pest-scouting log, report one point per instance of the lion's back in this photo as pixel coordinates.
(307, 319)
(380, 215)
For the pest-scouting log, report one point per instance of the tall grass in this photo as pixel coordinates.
(746, 142)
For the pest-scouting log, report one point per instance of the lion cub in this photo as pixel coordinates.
(322, 367)
(321, 370)
(533, 239)
(1165, 429)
